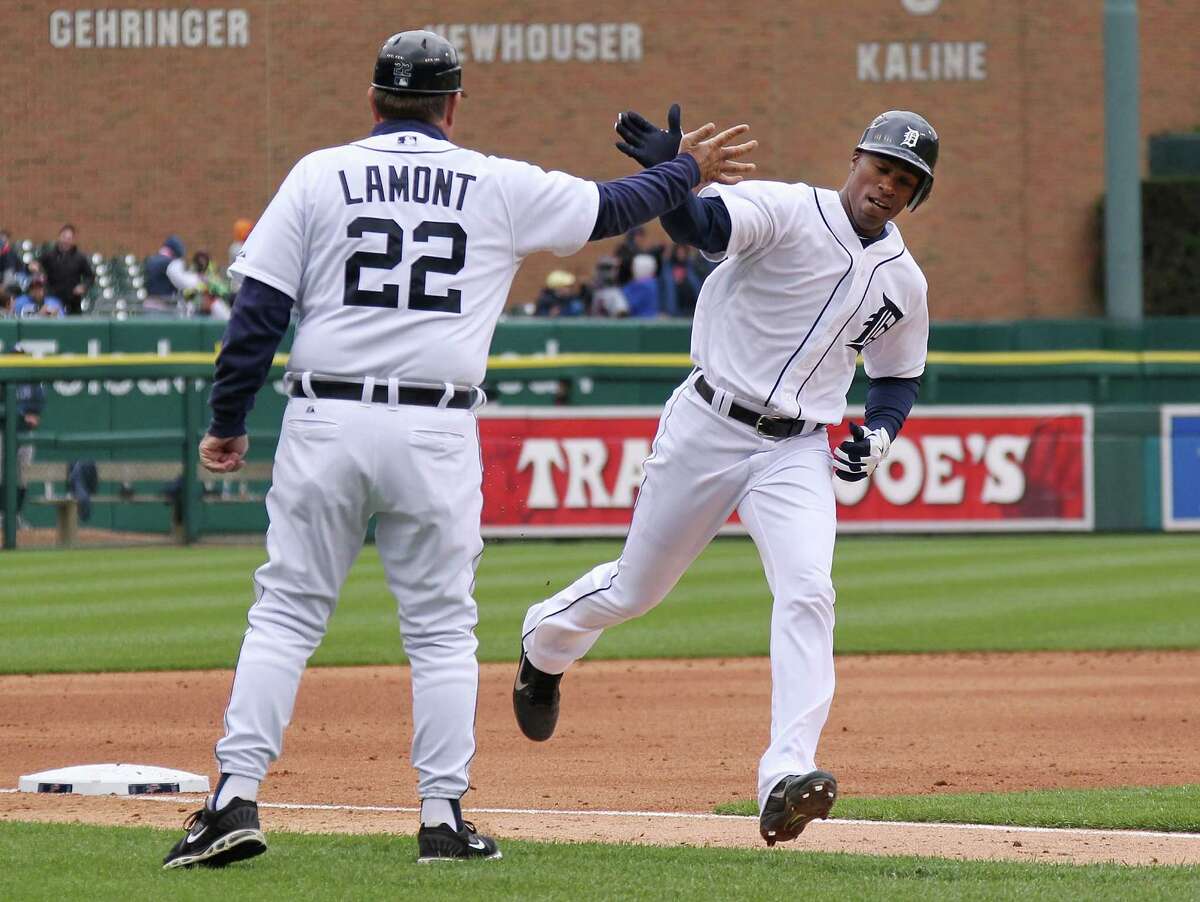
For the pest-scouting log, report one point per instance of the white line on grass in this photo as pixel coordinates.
(700, 816)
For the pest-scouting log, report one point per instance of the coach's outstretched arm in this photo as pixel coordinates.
(255, 329)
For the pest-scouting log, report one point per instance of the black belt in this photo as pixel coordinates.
(462, 399)
(765, 425)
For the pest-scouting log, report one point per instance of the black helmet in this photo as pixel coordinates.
(908, 137)
(418, 62)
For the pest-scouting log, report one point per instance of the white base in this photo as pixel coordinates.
(113, 779)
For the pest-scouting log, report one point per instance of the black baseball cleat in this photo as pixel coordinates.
(794, 802)
(535, 700)
(217, 838)
(444, 843)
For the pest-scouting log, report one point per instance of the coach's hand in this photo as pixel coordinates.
(650, 145)
(858, 456)
(223, 455)
(717, 157)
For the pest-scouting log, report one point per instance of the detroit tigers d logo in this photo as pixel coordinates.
(877, 323)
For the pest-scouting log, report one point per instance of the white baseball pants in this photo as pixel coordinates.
(703, 466)
(417, 469)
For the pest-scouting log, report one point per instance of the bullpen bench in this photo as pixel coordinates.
(151, 481)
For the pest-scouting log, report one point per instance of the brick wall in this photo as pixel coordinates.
(134, 143)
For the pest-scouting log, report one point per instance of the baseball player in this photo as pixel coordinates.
(397, 252)
(810, 278)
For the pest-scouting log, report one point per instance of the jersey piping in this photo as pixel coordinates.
(812, 328)
(854, 313)
(617, 570)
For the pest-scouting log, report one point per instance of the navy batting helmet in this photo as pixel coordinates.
(907, 137)
(418, 62)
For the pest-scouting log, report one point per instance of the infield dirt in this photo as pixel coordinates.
(670, 736)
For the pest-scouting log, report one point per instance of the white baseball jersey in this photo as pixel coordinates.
(399, 250)
(781, 322)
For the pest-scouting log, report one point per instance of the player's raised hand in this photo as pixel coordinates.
(718, 156)
(645, 141)
(223, 455)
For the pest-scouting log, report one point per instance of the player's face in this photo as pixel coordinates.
(877, 190)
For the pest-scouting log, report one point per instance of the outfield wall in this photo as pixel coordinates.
(1134, 433)
(1089, 361)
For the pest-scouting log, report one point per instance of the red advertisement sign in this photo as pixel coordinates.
(978, 468)
(559, 471)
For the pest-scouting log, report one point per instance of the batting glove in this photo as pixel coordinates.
(646, 142)
(858, 456)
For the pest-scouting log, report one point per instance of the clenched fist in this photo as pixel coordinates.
(858, 456)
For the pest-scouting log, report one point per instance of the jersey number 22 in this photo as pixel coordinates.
(389, 295)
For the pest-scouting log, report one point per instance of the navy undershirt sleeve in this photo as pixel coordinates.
(889, 401)
(636, 199)
(702, 222)
(255, 329)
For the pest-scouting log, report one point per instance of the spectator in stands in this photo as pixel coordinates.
(31, 400)
(635, 242)
(6, 303)
(167, 278)
(642, 292)
(241, 231)
(682, 281)
(607, 297)
(560, 297)
(11, 264)
(212, 297)
(36, 302)
(68, 273)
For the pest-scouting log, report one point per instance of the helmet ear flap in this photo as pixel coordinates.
(923, 191)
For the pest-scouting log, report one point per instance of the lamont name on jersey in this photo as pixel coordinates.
(406, 184)
(409, 222)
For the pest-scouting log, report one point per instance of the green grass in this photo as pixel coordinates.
(1168, 808)
(54, 862)
(165, 608)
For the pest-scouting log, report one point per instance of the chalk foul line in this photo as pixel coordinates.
(684, 815)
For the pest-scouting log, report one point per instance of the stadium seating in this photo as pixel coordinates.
(119, 288)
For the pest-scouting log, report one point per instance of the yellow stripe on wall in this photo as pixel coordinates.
(665, 361)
